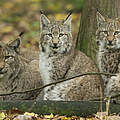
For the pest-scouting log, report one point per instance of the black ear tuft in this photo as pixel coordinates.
(41, 12)
(97, 10)
(21, 34)
(67, 22)
(68, 15)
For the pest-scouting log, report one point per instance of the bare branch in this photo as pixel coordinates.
(59, 81)
(111, 97)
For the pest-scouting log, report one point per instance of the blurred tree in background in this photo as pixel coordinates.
(23, 15)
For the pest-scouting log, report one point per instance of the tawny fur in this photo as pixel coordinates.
(59, 59)
(108, 37)
(18, 72)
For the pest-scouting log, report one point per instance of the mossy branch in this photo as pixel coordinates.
(56, 82)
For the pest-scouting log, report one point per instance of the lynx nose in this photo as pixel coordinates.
(110, 42)
(55, 44)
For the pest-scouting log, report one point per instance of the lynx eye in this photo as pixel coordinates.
(6, 57)
(49, 34)
(116, 32)
(105, 32)
(61, 34)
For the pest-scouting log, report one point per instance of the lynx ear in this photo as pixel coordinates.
(16, 43)
(67, 22)
(43, 21)
(100, 19)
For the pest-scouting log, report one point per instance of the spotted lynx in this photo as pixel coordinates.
(108, 37)
(16, 74)
(59, 59)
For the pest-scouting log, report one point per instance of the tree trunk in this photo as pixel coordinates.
(86, 36)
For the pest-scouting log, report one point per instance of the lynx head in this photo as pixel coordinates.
(9, 60)
(108, 32)
(55, 36)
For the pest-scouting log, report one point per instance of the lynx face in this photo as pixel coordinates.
(9, 61)
(55, 36)
(108, 33)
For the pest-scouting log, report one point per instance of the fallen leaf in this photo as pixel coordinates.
(31, 114)
(2, 116)
(49, 116)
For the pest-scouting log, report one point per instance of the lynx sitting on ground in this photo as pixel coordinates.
(108, 37)
(59, 59)
(16, 74)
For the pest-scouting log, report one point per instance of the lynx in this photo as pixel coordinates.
(59, 59)
(108, 37)
(17, 74)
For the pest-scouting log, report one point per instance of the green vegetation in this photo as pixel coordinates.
(23, 15)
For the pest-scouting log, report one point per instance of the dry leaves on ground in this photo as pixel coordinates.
(15, 114)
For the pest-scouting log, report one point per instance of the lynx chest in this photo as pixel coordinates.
(51, 70)
(45, 67)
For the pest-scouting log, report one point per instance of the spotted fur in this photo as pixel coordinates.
(59, 59)
(108, 37)
(17, 73)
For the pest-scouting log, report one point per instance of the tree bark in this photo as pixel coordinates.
(86, 41)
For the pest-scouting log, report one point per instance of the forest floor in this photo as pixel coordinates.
(16, 114)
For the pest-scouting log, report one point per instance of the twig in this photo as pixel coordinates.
(56, 82)
(98, 99)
